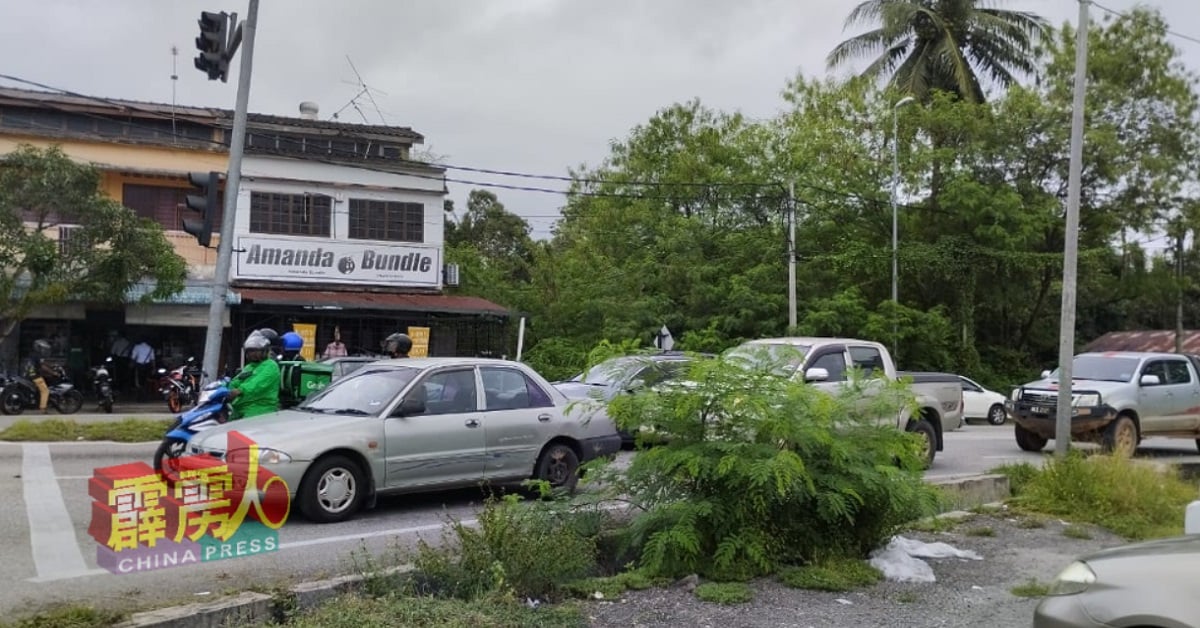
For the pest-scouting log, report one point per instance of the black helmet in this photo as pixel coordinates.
(397, 344)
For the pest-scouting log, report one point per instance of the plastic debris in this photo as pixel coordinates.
(842, 600)
(900, 560)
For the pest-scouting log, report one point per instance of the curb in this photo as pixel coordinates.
(968, 492)
(252, 609)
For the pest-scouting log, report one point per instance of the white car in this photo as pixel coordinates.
(981, 403)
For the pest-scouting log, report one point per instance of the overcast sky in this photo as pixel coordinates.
(527, 85)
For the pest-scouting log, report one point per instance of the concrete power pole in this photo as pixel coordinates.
(1066, 332)
(791, 213)
(217, 307)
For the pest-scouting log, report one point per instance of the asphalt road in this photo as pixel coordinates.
(50, 558)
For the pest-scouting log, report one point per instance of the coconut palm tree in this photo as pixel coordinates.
(926, 45)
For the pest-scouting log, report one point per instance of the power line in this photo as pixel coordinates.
(1194, 40)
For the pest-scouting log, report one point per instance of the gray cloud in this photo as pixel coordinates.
(532, 85)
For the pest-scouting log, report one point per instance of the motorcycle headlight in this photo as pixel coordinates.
(1075, 579)
(272, 456)
(1087, 399)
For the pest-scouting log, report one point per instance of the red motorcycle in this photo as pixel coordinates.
(180, 386)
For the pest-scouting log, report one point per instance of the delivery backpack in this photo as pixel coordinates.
(299, 379)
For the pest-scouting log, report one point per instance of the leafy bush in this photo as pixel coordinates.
(522, 549)
(1019, 475)
(1132, 499)
(556, 358)
(832, 575)
(725, 592)
(759, 470)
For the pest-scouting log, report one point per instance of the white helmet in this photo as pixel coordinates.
(256, 341)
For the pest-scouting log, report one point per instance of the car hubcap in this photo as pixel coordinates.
(998, 416)
(1126, 438)
(336, 490)
(558, 468)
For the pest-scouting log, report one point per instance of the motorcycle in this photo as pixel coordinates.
(20, 394)
(102, 382)
(212, 409)
(180, 386)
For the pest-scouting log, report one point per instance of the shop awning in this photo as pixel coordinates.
(333, 300)
(192, 294)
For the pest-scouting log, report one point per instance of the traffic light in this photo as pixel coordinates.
(213, 44)
(205, 203)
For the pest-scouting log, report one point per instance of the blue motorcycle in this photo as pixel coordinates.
(211, 410)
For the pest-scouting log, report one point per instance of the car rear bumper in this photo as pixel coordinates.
(599, 446)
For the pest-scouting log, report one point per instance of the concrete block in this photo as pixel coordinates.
(312, 594)
(973, 491)
(243, 609)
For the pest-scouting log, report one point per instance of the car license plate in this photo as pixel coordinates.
(1041, 410)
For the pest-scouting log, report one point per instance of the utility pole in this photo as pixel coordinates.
(217, 307)
(791, 253)
(1066, 331)
(1180, 235)
(896, 222)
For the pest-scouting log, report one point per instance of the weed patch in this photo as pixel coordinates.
(1134, 500)
(936, 524)
(68, 617)
(50, 430)
(421, 612)
(833, 575)
(728, 593)
(980, 531)
(1019, 475)
(1077, 532)
(1031, 522)
(1032, 588)
(611, 587)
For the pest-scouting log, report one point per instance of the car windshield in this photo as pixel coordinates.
(1102, 368)
(609, 372)
(787, 357)
(367, 392)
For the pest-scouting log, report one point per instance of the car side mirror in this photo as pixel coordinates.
(409, 407)
(1045, 374)
(816, 374)
(1150, 380)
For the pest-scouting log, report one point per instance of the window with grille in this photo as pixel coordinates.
(290, 214)
(387, 220)
(164, 205)
(68, 241)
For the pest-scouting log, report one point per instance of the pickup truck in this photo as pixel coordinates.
(827, 360)
(1117, 399)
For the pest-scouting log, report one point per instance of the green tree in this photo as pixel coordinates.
(110, 247)
(928, 45)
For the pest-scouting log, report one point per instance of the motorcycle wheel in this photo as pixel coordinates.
(10, 400)
(107, 404)
(70, 402)
(174, 403)
(170, 450)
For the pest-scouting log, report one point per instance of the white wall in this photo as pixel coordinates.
(341, 183)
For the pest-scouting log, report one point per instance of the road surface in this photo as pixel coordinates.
(50, 558)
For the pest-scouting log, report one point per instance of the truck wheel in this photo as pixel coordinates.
(929, 438)
(1121, 437)
(1028, 441)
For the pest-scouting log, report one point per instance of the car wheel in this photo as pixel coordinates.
(997, 415)
(559, 466)
(928, 438)
(332, 490)
(1121, 437)
(1027, 440)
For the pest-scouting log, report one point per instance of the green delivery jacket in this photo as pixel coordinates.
(259, 383)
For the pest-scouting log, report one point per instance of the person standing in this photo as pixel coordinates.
(335, 349)
(142, 355)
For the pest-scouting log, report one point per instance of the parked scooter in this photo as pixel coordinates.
(20, 394)
(180, 386)
(102, 383)
(212, 409)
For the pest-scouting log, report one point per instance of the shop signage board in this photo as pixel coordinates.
(341, 262)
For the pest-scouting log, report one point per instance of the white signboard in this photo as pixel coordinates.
(328, 261)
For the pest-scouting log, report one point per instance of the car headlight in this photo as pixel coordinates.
(1016, 394)
(1076, 578)
(1087, 399)
(272, 456)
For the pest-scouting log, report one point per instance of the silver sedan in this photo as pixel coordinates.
(421, 424)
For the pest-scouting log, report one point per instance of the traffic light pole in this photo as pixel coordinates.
(218, 306)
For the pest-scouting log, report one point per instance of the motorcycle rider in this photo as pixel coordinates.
(397, 345)
(39, 370)
(292, 344)
(275, 343)
(255, 390)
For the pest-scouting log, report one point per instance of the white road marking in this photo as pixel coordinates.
(56, 553)
(368, 535)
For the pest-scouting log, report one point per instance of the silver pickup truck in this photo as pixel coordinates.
(1116, 400)
(827, 360)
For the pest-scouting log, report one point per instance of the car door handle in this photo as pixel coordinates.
(543, 417)
(472, 423)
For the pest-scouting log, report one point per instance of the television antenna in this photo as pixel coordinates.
(364, 90)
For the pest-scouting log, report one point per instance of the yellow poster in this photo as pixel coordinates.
(309, 333)
(420, 338)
